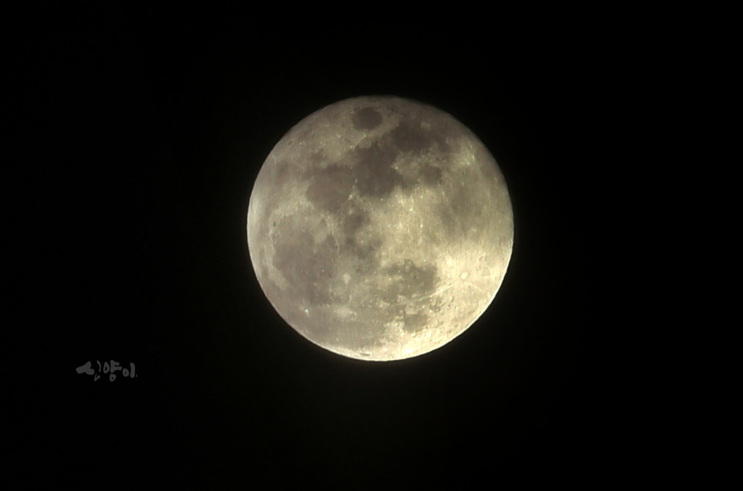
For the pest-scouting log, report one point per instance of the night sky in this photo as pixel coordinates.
(145, 129)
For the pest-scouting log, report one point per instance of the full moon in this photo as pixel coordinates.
(380, 228)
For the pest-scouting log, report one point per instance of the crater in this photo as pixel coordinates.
(366, 119)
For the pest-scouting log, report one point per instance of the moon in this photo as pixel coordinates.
(380, 228)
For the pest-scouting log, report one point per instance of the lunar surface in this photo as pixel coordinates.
(380, 228)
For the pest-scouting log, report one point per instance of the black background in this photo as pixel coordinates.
(144, 130)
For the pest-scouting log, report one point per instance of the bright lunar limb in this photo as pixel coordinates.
(380, 228)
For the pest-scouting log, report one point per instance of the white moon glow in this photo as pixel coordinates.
(380, 228)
